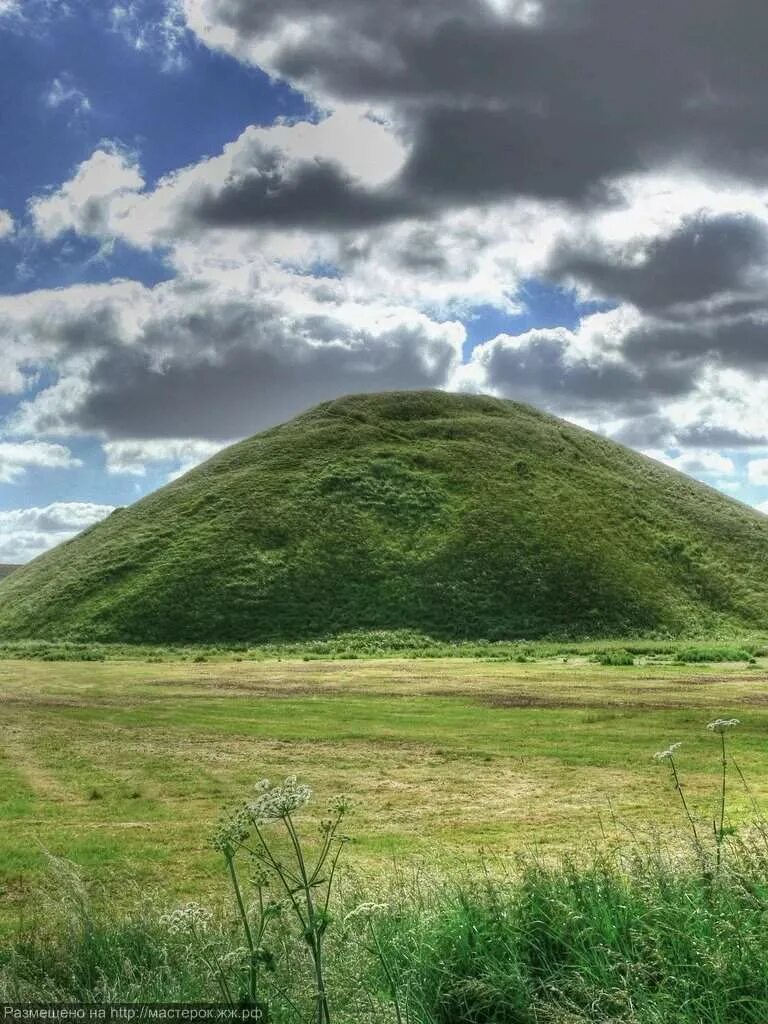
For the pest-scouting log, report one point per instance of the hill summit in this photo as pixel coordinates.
(457, 516)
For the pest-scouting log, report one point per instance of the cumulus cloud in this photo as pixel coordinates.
(705, 257)
(700, 463)
(100, 187)
(757, 472)
(7, 225)
(216, 360)
(650, 397)
(459, 149)
(574, 371)
(133, 457)
(329, 175)
(550, 100)
(16, 457)
(28, 532)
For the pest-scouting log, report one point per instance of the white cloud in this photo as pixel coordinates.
(757, 472)
(27, 532)
(133, 457)
(697, 463)
(105, 197)
(17, 457)
(215, 359)
(62, 92)
(86, 203)
(6, 224)
(138, 23)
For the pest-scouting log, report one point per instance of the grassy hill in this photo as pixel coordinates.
(459, 516)
(6, 569)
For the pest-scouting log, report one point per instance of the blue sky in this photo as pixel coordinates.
(212, 220)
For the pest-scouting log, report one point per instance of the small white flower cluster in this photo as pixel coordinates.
(666, 755)
(231, 831)
(723, 724)
(187, 918)
(365, 910)
(275, 802)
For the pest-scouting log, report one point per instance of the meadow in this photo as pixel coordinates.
(519, 856)
(123, 766)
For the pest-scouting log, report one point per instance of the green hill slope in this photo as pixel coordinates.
(459, 516)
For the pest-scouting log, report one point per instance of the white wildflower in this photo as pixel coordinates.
(275, 802)
(231, 831)
(191, 917)
(666, 755)
(723, 724)
(365, 910)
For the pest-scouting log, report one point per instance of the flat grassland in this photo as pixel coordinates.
(124, 766)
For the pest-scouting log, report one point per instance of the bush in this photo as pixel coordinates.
(705, 654)
(616, 658)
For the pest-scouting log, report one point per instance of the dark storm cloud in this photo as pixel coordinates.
(247, 391)
(543, 371)
(219, 368)
(705, 436)
(314, 194)
(740, 343)
(551, 107)
(705, 257)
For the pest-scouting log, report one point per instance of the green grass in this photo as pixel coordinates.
(455, 517)
(444, 758)
(636, 934)
(375, 644)
(525, 856)
(639, 938)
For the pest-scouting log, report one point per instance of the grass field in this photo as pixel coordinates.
(124, 766)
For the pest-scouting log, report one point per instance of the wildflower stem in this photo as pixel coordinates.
(334, 862)
(686, 808)
(387, 971)
(721, 829)
(286, 878)
(214, 968)
(314, 931)
(246, 928)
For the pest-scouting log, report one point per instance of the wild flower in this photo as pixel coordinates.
(191, 917)
(233, 829)
(305, 887)
(721, 725)
(275, 802)
(666, 755)
(364, 910)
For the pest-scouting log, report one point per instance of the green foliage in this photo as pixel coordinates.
(616, 658)
(692, 655)
(638, 934)
(635, 937)
(454, 517)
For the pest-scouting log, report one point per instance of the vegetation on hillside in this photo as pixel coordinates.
(460, 517)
